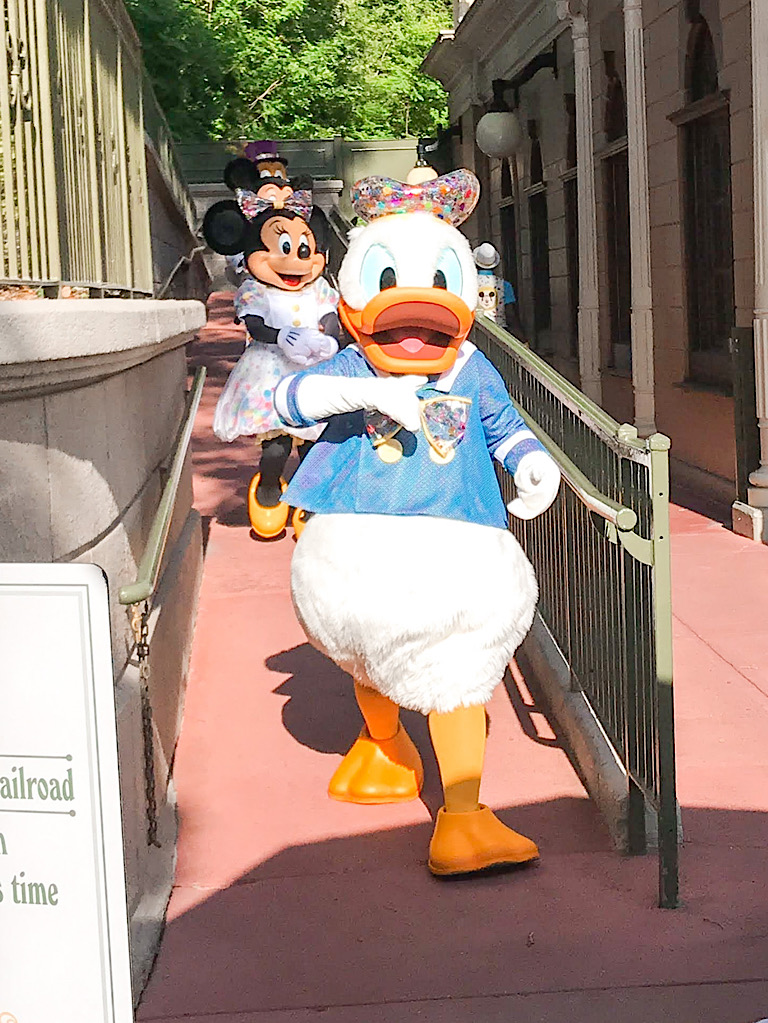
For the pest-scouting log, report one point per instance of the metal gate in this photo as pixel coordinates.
(73, 190)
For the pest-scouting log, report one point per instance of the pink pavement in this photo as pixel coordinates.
(288, 904)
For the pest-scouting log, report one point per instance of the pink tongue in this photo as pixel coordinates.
(412, 344)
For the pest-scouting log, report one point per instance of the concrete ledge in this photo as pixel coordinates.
(94, 391)
(51, 345)
(749, 521)
(326, 193)
(206, 195)
(585, 741)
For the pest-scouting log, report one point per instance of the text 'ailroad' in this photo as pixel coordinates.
(21, 784)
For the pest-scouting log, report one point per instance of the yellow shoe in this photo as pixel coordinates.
(466, 842)
(298, 521)
(266, 522)
(379, 771)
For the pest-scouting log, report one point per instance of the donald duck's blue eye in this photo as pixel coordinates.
(448, 272)
(377, 271)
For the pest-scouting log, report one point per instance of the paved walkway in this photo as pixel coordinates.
(289, 907)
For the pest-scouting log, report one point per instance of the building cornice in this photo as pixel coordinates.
(495, 39)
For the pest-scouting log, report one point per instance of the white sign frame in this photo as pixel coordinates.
(56, 677)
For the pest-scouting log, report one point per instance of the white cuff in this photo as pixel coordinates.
(280, 400)
(506, 445)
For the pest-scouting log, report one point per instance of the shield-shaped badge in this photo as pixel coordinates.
(444, 422)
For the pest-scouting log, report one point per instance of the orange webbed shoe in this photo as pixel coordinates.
(379, 771)
(463, 843)
(266, 522)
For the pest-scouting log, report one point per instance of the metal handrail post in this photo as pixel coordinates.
(662, 612)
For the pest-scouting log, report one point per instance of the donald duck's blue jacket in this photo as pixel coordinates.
(344, 474)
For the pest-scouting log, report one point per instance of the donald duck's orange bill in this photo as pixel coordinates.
(410, 330)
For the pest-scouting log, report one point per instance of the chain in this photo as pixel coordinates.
(140, 625)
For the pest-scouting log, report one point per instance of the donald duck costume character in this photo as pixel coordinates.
(406, 574)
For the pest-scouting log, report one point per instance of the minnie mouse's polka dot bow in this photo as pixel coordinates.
(451, 197)
(299, 202)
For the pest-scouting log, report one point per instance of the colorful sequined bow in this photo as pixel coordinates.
(299, 202)
(451, 197)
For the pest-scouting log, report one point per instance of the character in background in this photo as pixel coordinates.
(496, 297)
(289, 310)
(268, 162)
(264, 173)
(407, 575)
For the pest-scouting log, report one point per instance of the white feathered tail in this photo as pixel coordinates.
(428, 611)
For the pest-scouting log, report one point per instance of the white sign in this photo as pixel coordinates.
(64, 955)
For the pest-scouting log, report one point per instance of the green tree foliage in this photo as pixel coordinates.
(192, 70)
(293, 68)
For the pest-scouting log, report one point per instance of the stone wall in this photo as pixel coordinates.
(92, 393)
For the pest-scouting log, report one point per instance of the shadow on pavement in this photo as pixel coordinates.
(358, 921)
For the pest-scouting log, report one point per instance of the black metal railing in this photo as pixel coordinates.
(605, 589)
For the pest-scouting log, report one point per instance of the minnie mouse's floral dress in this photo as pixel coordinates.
(245, 407)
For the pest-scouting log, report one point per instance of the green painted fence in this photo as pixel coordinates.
(74, 206)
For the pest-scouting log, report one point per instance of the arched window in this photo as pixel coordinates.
(615, 123)
(700, 62)
(506, 180)
(536, 167)
(570, 139)
(508, 219)
(571, 199)
(538, 221)
(616, 199)
(708, 217)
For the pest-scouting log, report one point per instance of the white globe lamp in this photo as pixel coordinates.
(420, 173)
(499, 133)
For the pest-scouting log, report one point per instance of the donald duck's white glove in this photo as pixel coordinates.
(306, 346)
(537, 480)
(319, 397)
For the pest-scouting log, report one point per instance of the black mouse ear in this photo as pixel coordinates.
(241, 173)
(225, 228)
(321, 229)
(301, 181)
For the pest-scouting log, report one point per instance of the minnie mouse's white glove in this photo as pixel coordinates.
(306, 346)
(319, 397)
(537, 480)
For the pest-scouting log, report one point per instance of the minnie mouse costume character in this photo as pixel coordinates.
(406, 575)
(290, 313)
